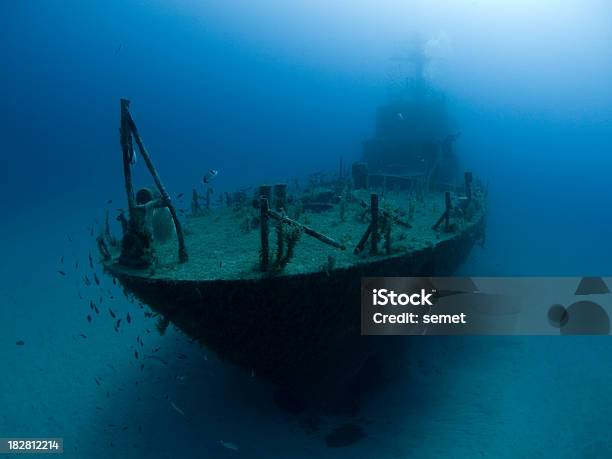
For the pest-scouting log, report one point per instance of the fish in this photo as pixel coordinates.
(91, 305)
(128, 318)
(97, 380)
(133, 156)
(90, 261)
(112, 313)
(96, 309)
(210, 176)
(228, 445)
(20, 343)
(69, 237)
(136, 354)
(177, 409)
(62, 259)
(83, 335)
(89, 318)
(156, 349)
(62, 273)
(118, 48)
(110, 201)
(86, 280)
(180, 195)
(400, 116)
(118, 323)
(96, 280)
(76, 264)
(181, 356)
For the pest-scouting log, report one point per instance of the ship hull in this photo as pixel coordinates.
(301, 332)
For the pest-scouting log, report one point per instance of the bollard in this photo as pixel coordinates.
(266, 192)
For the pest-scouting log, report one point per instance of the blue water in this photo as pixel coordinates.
(267, 90)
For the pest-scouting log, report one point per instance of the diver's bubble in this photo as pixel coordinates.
(557, 316)
(586, 318)
(592, 286)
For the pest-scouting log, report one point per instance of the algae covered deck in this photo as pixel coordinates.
(224, 243)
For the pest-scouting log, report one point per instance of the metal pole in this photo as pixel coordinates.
(165, 198)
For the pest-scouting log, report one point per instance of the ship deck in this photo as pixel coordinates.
(223, 244)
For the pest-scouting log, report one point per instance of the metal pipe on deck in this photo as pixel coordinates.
(311, 232)
(363, 240)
